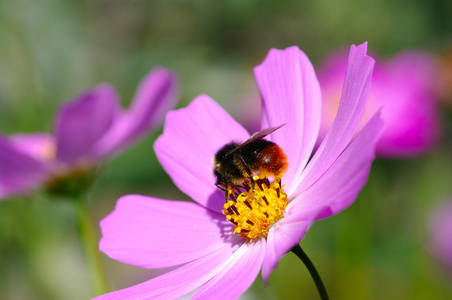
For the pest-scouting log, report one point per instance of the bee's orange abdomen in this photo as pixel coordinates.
(273, 161)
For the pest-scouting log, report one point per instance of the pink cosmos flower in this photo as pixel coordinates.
(403, 86)
(87, 130)
(195, 240)
(440, 223)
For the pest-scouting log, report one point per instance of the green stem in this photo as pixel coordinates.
(90, 244)
(312, 270)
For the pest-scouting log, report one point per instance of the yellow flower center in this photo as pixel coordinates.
(253, 211)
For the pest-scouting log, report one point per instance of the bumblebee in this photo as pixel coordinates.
(236, 163)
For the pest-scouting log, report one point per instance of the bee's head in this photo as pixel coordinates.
(223, 162)
(222, 153)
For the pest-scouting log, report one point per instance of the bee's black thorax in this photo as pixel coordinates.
(225, 170)
(237, 166)
(234, 163)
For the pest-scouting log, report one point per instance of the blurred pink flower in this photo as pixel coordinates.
(440, 223)
(87, 130)
(403, 87)
(195, 239)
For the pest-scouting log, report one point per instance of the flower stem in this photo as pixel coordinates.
(90, 246)
(312, 270)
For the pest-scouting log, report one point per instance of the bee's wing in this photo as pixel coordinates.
(261, 134)
(257, 136)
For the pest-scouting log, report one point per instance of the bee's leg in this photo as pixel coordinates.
(248, 174)
(228, 193)
(220, 186)
(278, 180)
(226, 196)
(225, 190)
(253, 185)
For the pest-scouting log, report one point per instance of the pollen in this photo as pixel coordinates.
(254, 210)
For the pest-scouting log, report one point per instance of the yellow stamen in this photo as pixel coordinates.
(253, 211)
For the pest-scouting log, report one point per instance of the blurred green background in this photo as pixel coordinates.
(51, 50)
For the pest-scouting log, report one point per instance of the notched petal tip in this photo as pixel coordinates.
(360, 52)
(362, 48)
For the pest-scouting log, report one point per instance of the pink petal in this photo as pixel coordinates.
(403, 86)
(155, 233)
(190, 139)
(350, 112)
(331, 76)
(180, 281)
(156, 94)
(82, 122)
(332, 193)
(237, 276)
(284, 235)
(338, 187)
(290, 94)
(41, 146)
(20, 173)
